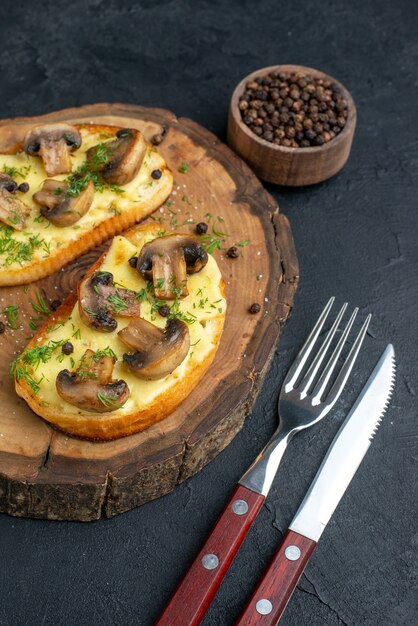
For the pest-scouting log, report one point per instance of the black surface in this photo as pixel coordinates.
(356, 237)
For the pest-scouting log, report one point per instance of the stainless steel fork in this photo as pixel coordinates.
(300, 405)
(304, 400)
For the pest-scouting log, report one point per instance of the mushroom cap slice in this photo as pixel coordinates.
(123, 157)
(13, 211)
(157, 352)
(167, 261)
(99, 298)
(60, 209)
(91, 387)
(53, 142)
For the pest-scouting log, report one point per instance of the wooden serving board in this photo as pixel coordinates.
(46, 474)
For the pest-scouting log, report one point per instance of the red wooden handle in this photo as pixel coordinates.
(195, 593)
(279, 580)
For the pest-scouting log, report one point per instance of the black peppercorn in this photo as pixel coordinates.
(341, 104)
(156, 174)
(164, 310)
(23, 187)
(55, 304)
(201, 228)
(255, 308)
(67, 348)
(233, 252)
(268, 135)
(2, 328)
(282, 108)
(319, 140)
(133, 261)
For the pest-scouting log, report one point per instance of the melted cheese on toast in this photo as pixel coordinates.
(203, 309)
(41, 239)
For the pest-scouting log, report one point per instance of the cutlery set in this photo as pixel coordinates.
(310, 390)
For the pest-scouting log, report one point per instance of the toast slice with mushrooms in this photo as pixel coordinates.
(66, 189)
(116, 358)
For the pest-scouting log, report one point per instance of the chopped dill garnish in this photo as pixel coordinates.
(40, 306)
(117, 302)
(12, 314)
(211, 243)
(114, 209)
(109, 403)
(183, 169)
(14, 171)
(160, 283)
(116, 189)
(77, 333)
(17, 251)
(105, 352)
(218, 233)
(90, 171)
(33, 323)
(160, 220)
(176, 313)
(25, 365)
(46, 247)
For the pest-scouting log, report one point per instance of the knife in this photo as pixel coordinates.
(330, 483)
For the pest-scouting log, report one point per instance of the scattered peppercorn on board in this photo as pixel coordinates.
(46, 474)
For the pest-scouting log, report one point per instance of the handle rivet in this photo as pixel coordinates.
(292, 553)
(210, 561)
(264, 607)
(240, 507)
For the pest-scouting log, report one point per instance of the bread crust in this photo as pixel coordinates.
(108, 426)
(37, 269)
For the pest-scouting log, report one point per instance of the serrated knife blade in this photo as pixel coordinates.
(347, 450)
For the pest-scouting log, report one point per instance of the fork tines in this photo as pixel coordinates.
(304, 385)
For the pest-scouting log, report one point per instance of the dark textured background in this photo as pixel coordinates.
(356, 237)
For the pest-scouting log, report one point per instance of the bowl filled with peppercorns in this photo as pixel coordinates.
(294, 125)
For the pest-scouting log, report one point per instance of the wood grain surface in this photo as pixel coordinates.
(196, 591)
(278, 582)
(46, 474)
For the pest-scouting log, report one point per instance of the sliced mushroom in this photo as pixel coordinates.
(167, 261)
(91, 387)
(98, 298)
(157, 352)
(58, 207)
(13, 211)
(53, 142)
(119, 160)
